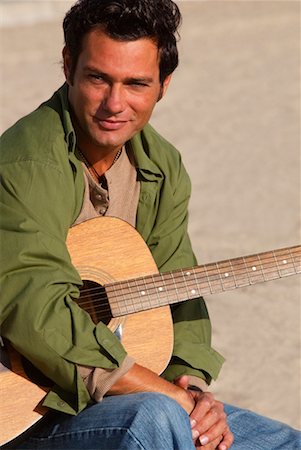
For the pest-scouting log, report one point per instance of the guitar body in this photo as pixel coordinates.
(106, 250)
(20, 399)
(103, 250)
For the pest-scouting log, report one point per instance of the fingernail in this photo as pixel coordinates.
(193, 423)
(222, 447)
(204, 440)
(195, 434)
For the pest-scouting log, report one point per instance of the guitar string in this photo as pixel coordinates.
(118, 286)
(100, 308)
(105, 310)
(179, 274)
(268, 257)
(200, 270)
(94, 291)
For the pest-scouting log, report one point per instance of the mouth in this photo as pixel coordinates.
(109, 124)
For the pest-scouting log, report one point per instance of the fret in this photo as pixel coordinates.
(199, 290)
(175, 289)
(296, 256)
(128, 297)
(233, 273)
(276, 261)
(161, 289)
(185, 278)
(173, 294)
(292, 259)
(220, 277)
(185, 285)
(128, 294)
(155, 289)
(165, 289)
(117, 299)
(254, 273)
(246, 270)
(227, 277)
(191, 286)
(261, 267)
(208, 279)
(202, 280)
(110, 292)
(271, 272)
(285, 263)
(148, 292)
(137, 292)
(156, 292)
(215, 284)
(239, 272)
(193, 283)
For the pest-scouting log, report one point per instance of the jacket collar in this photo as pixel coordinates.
(140, 144)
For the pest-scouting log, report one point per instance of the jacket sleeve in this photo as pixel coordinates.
(38, 313)
(171, 248)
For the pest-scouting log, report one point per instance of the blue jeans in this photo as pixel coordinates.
(149, 421)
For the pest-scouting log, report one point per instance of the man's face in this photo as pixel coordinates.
(113, 91)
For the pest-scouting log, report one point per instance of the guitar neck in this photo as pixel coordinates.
(143, 293)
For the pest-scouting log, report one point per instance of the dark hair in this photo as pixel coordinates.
(126, 20)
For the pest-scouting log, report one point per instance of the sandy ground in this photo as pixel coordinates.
(233, 111)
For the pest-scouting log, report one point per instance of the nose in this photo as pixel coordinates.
(114, 99)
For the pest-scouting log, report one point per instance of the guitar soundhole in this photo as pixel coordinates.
(94, 300)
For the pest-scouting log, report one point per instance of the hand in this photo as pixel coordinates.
(208, 420)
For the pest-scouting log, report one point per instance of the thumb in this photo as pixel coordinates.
(182, 382)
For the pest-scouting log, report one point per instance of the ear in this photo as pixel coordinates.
(164, 86)
(67, 65)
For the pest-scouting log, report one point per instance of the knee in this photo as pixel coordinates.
(164, 421)
(162, 409)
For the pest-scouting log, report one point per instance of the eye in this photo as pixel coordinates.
(138, 84)
(96, 77)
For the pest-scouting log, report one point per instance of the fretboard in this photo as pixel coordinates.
(143, 293)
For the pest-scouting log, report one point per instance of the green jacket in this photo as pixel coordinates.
(41, 197)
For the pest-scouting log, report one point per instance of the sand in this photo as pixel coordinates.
(233, 109)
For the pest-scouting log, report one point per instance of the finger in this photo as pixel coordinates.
(214, 433)
(211, 435)
(211, 446)
(227, 441)
(204, 402)
(218, 429)
(214, 422)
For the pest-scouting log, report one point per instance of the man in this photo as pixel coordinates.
(87, 152)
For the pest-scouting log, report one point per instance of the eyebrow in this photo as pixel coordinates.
(107, 77)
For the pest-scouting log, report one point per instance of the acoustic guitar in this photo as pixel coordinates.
(122, 288)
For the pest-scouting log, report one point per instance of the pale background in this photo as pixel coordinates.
(233, 109)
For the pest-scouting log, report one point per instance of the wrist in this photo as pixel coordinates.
(187, 401)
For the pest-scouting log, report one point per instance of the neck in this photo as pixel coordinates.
(99, 164)
(99, 158)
